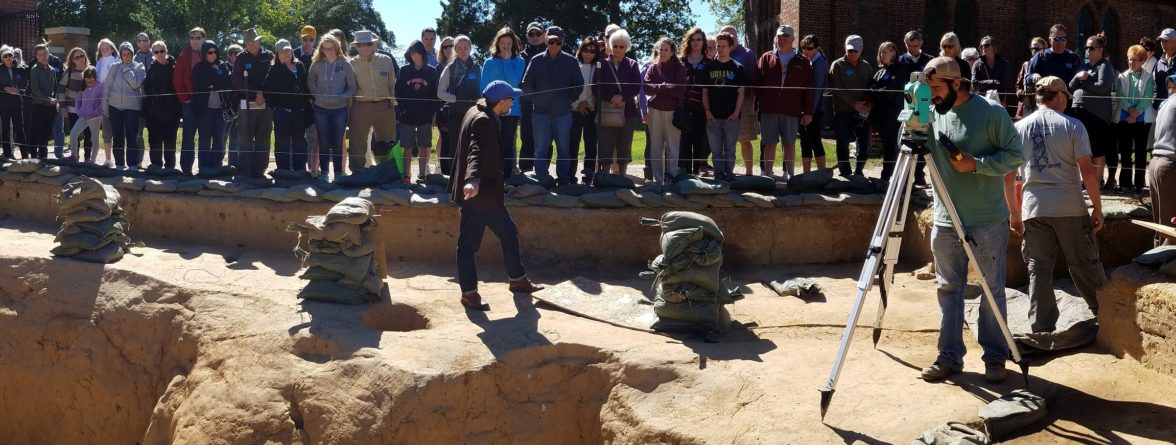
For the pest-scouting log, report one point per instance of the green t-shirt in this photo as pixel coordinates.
(983, 129)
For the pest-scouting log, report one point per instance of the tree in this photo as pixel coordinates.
(728, 12)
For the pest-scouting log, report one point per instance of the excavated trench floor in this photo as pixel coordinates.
(190, 345)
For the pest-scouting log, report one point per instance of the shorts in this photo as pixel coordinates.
(779, 127)
(415, 136)
(748, 122)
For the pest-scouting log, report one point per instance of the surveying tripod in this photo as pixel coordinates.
(886, 240)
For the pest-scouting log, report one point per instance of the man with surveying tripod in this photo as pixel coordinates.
(978, 140)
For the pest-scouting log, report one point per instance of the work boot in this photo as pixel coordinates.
(995, 373)
(937, 372)
(524, 285)
(473, 301)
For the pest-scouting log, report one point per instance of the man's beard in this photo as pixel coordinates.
(945, 105)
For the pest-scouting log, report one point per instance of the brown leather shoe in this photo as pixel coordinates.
(524, 285)
(473, 301)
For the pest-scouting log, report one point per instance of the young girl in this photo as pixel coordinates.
(89, 109)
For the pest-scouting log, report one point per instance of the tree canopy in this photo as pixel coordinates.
(225, 20)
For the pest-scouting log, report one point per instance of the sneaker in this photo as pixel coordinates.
(937, 372)
(994, 373)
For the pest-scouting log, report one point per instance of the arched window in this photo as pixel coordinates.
(1110, 29)
(935, 23)
(964, 24)
(1086, 27)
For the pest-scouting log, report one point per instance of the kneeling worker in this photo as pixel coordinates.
(477, 187)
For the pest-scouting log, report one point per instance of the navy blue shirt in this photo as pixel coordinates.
(1064, 65)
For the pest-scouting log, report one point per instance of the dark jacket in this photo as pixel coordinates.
(1164, 67)
(696, 77)
(1048, 63)
(528, 53)
(257, 66)
(416, 90)
(285, 88)
(796, 98)
(886, 92)
(17, 77)
(479, 156)
(42, 84)
(160, 103)
(208, 78)
(613, 79)
(669, 97)
(997, 77)
(553, 84)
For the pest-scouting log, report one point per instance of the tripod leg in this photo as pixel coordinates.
(937, 182)
(903, 183)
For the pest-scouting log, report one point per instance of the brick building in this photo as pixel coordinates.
(20, 23)
(1011, 22)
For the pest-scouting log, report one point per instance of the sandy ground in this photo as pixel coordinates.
(759, 385)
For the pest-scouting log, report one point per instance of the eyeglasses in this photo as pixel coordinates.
(1060, 39)
(534, 33)
(77, 57)
(363, 45)
(555, 42)
(7, 56)
(808, 48)
(158, 51)
(948, 46)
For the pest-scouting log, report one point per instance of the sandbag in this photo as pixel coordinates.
(803, 288)
(417, 200)
(290, 175)
(279, 194)
(673, 243)
(374, 176)
(218, 172)
(655, 200)
(708, 278)
(691, 186)
(852, 184)
(163, 172)
(437, 179)
(753, 183)
(576, 190)
(678, 220)
(811, 181)
(85, 215)
(711, 201)
(515, 202)
(705, 252)
(690, 317)
(531, 178)
(527, 190)
(158, 186)
(350, 211)
(324, 246)
(1157, 256)
(103, 227)
(630, 197)
(1011, 412)
(194, 186)
(303, 192)
(338, 195)
(372, 283)
(335, 233)
(65, 251)
(678, 293)
(399, 197)
(90, 241)
(226, 186)
(366, 246)
(50, 171)
(758, 200)
(107, 254)
(318, 273)
(676, 200)
(354, 268)
(333, 292)
(602, 200)
(561, 201)
(609, 180)
(952, 433)
(24, 165)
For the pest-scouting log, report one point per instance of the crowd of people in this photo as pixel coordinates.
(334, 106)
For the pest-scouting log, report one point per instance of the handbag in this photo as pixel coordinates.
(228, 111)
(611, 116)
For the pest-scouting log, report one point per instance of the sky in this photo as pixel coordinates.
(406, 21)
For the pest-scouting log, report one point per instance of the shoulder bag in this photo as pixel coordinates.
(609, 115)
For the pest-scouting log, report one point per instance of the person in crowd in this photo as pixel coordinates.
(332, 82)
(14, 84)
(416, 94)
(810, 134)
(1093, 105)
(665, 83)
(506, 64)
(1135, 91)
(211, 81)
(287, 98)
(441, 118)
(1057, 61)
(584, 107)
(749, 128)
(231, 125)
(1162, 168)
(105, 57)
(305, 54)
(618, 82)
(372, 110)
(787, 102)
(123, 97)
(912, 61)
(1025, 94)
(1152, 48)
(642, 116)
(42, 106)
(1165, 66)
(88, 109)
(723, 101)
(981, 188)
(429, 40)
(992, 72)
(232, 52)
(694, 144)
(553, 81)
(536, 45)
(161, 107)
(69, 87)
(608, 32)
(971, 55)
(950, 46)
(257, 121)
(458, 87)
(849, 77)
(189, 57)
(886, 98)
(143, 44)
(1052, 208)
(477, 186)
(712, 47)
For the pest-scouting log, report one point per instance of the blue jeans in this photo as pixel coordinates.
(474, 222)
(59, 136)
(188, 141)
(212, 139)
(951, 274)
(722, 135)
(848, 127)
(125, 123)
(550, 128)
(330, 125)
(290, 139)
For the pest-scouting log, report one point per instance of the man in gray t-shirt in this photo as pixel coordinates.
(1052, 208)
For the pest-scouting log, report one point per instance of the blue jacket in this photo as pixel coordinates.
(553, 84)
(508, 70)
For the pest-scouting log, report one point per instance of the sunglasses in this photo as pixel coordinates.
(160, 51)
(555, 42)
(808, 48)
(534, 33)
(948, 46)
(8, 56)
(1060, 39)
(77, 57)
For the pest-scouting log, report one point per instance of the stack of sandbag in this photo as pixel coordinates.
(687, 275)
(341, 254)
(93, 226)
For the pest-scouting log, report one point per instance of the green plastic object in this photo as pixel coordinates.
(396, 154)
